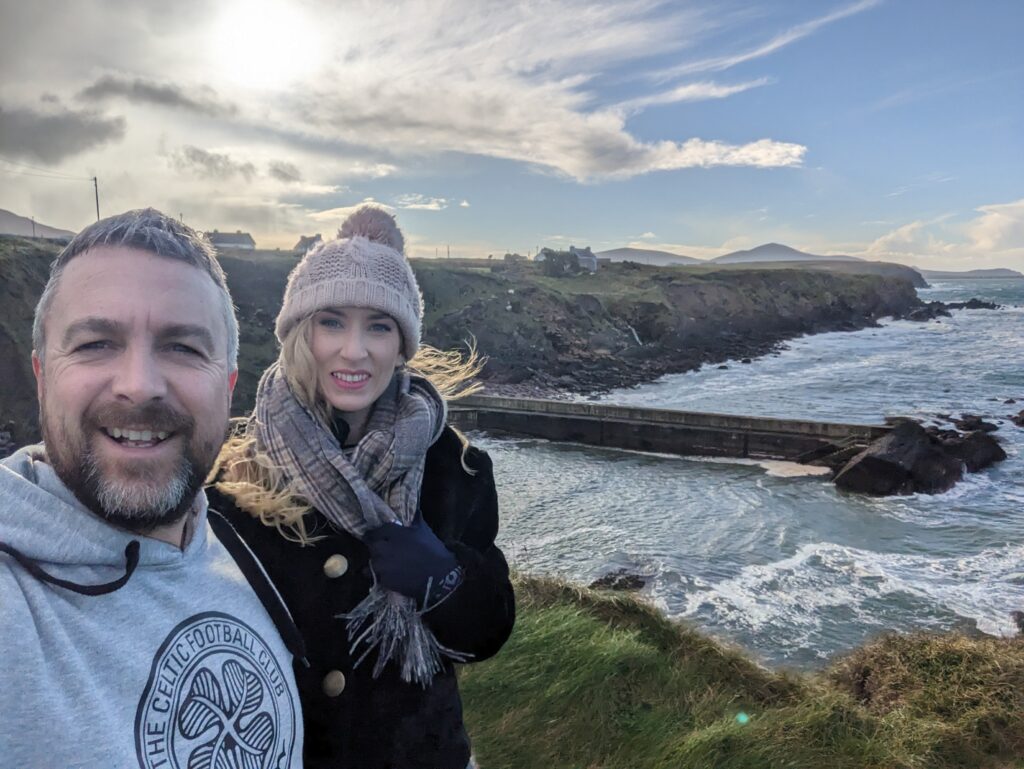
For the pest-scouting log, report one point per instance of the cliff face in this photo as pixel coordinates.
(627, 324)
(631, 323)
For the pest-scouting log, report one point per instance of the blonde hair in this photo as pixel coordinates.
(247, 474)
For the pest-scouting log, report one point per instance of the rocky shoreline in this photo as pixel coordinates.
(596, 377)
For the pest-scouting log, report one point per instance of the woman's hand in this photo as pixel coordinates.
(411, 560)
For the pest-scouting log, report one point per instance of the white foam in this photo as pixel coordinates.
(794, 591)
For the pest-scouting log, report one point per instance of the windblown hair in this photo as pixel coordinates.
(248, 475)
(145, 229)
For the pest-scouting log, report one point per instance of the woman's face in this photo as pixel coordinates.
(356, 352)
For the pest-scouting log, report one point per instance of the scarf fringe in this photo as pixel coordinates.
(390, 623)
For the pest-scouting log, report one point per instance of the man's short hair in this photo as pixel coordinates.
(149, 230)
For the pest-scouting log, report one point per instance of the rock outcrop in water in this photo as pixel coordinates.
(913, 459)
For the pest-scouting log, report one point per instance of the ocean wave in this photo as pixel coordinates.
(796, 594)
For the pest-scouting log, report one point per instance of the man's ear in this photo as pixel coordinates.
(37, 369)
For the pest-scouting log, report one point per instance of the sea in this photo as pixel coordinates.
(768, 557)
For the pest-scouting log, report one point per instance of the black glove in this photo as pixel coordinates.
(411, 560)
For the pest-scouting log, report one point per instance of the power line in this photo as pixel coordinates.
(49, 171)
(44, 176)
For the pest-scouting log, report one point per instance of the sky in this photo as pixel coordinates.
(887, 129)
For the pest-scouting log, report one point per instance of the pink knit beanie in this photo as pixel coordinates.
(364, 267)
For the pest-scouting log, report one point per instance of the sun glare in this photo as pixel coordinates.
(264, 45)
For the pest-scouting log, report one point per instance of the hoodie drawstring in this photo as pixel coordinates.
(131, 557)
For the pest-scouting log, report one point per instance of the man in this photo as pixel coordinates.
(129, 636)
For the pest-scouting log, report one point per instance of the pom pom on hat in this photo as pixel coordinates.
(374, 224)
(364, 267)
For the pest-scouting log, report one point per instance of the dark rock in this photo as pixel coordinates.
(621, 579)
(978, 450)
(973, 304)
(1018, 419)
(1018, 618)
(971, 422)
(745, 360)
(1009, 401)
(723, 366)
(930, 311)
(7, 443)
(905, 461)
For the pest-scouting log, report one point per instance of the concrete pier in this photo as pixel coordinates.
(686, 433)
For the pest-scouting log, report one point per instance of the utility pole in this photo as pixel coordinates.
(33, 226)
(181, 217)
(449, 252)
(96, 189)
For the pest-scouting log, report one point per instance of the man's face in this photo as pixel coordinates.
(135, 387)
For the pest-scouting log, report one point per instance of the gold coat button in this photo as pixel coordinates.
(335, 566)
(334, 683)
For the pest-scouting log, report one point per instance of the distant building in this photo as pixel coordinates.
(237, 239)
(587, 259)
(307, 242)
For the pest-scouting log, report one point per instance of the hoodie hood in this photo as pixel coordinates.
(45, 521)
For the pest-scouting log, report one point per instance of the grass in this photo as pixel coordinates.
(593, 680)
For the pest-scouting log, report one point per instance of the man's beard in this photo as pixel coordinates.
(137, 497)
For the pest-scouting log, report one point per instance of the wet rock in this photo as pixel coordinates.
(1018, 618)
(1018, 419)
(977, 450)
(971, 422)
(1009, 401)
(905, 461)
(930, 311)
(973, 304)
(621, 579)
(723, 367)
(745, 360)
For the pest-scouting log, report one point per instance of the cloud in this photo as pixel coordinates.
(539, 107)
(202, 100)
(648, 236)
(284, 171)
(210, 165)
(54, 135)
(341, 213)
(421, 202)
(689, 92)
(995, 233)
(910, 240)
(464, 204)
(791, 35)
(999, 228)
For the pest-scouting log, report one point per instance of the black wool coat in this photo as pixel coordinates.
(352, 720)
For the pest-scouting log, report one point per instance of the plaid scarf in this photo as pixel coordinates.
(379, 483)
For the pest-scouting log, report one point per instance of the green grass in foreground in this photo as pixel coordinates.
(593, 680)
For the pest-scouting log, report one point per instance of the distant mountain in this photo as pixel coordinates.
(12, 224)
(646, 256)
(969, 274)
(776, 252)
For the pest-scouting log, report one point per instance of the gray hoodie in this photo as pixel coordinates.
(175, 664)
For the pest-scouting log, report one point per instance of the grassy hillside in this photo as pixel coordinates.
(592, 680)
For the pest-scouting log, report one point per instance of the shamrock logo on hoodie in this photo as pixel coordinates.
(224, 711)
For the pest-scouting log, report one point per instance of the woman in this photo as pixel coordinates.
(375, 521)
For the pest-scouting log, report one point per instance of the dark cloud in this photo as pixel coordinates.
(203, 101)
(54, 135)
(284, 172)
(210, 165)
